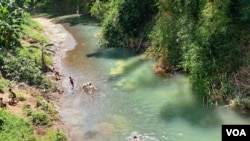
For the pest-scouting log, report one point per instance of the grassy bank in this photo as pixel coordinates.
(26, 68)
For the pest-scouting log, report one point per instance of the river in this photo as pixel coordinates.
(130, 99)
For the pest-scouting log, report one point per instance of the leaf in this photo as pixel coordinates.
(49, 45)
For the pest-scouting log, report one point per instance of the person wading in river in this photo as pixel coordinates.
(57, 74)
(71, 81)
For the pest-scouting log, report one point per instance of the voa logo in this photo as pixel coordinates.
(236, 132)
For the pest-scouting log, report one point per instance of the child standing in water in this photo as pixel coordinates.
(57, 74)
(71, 80)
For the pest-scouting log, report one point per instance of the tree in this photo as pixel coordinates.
(204, 38)
(45, 50)
(11, 20)
(125, 23)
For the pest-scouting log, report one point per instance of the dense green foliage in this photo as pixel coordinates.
(4, 84)
(125, 23)
(99, 8)
(31, 30)
(11, 19)
(53, 136)
(20, 63)
(22, 69)
(24, 64)
(72, 6)
(13, 128)
(45, 106)
(207, 39)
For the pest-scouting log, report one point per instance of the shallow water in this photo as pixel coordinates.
(130, 99)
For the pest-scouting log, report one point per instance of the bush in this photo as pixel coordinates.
(39, 118)
(20, 97)
(31, 30)
(14, 128)
(27, 109)
(45, 106)
(123, 19)
(243, 102)
(4, 83)
(24, 70)
(54, 136)
(39, 100)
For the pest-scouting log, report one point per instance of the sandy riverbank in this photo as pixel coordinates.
(63, 41)
(61, 38)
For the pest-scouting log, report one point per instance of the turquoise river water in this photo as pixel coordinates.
(131, 99)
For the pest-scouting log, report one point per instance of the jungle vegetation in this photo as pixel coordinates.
(20, 62)
(206, 39)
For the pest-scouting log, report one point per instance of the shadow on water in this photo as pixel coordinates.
(181, 103)
(192, 113)
(91, 134)
(112, 53)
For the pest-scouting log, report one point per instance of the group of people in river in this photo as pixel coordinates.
(88, 88)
